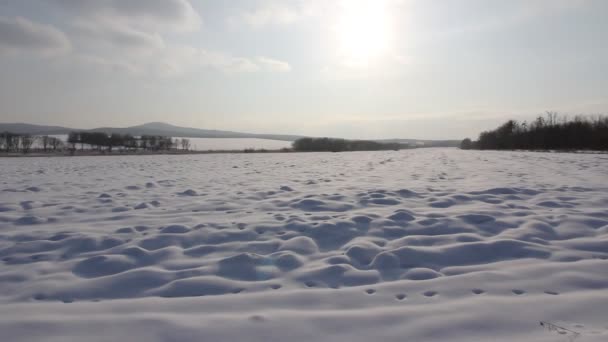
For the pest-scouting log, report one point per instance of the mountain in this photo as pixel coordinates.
(22, 128)
(152, 128)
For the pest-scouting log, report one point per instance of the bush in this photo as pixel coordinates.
(340, 145)
(466, 144)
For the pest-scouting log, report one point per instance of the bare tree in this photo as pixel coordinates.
(143, 142)
(73, 139)
(130, 142)
(185, 144)
(45, 139)
(27, 141)
(552, 118)
(55, 143)
(11, 141)
(114, 140)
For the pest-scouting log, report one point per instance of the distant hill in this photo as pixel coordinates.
(161, 128)
(22, 128)
(165, 129)
(152, 128)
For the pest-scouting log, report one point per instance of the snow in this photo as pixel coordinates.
(414, 245)
(205, 144)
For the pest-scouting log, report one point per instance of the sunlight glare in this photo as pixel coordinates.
(363, 31)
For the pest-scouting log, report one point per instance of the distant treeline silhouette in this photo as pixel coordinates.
(99, 140)
(25, 143)
(14, 142)
(341, 145)
(550, 132)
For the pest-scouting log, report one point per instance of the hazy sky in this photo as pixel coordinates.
(352, 68)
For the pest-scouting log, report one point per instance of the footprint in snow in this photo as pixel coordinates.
(400, 296)
(257, 318)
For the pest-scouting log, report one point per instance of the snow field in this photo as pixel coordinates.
(420, 245)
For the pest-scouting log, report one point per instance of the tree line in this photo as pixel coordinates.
(24, 143)
(14, 142)
(551, 132)
(341, 145)
(101, 140)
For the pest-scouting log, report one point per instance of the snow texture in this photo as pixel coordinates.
(415, 245)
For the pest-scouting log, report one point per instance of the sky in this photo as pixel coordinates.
(422, 69)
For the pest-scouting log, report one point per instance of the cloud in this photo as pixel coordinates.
(129, 25)
(273, 64)
(22, 35)
(130, 36)
(155, 15)
(230, 64)
(225, 62)
(177, 60)
(267, 15)
(280, 12)
(124, 37)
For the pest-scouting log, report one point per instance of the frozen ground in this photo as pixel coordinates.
(418, 245)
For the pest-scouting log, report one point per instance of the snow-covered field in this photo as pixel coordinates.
(414, 245)
(223, 144)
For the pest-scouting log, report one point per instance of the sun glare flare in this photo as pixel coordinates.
(363, 31)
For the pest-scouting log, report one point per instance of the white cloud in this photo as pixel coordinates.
(177, 60)
(231, 64)
(128, 25)
(124, 37)
(129, 36)
(273, 64)
(22, 35)
(281, 12)
(225, 62)
(107, 64)
(270, 14)
(154, 15)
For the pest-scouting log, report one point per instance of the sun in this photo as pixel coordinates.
(363, 31)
